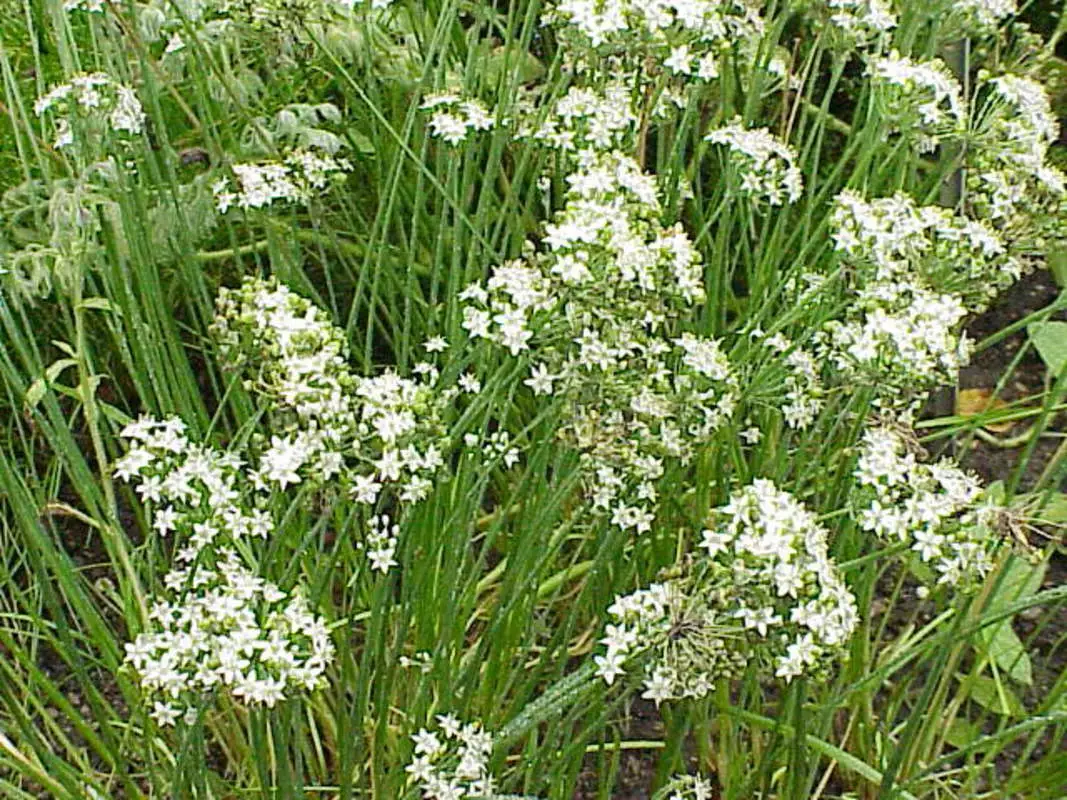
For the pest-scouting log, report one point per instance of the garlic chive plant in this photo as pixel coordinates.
(526, 399)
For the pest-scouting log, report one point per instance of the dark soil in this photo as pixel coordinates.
(988, 368)
(636, 767)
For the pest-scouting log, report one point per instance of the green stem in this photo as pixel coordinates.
(111, 529)
(832, 752)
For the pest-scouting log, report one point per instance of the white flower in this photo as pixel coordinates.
(469, 383)
(688, 787)
(165, 714)
(427, 743)
(451, 128)
(659, 686)
(132, 463)
(984, 14)
(715, 542)
(680, 61)
(381, 543)
(705, 356)
(751, 435)
(365, 489)
(174, 44)
(540, 380)
(281, 463)
(476, 322)
(609, 666)
(140, 429)
(799, 655)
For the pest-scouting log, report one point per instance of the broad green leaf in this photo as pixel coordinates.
(35, 393)
(995, 492)
(1020, 581)
(525, 65)
(996, 697)
(922, 572)
(1005, 648)
(1050, 339)
(1057, 265)
(37, 389)
(56, 368)
(962, 733)
(362, 143)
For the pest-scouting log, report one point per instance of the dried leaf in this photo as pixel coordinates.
(972, 402)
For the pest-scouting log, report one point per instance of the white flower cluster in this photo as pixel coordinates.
(766, 165)
(197, 494)
(85, 5)
(494, 446)
(681, 37)
(767, 590)
(381, 543)
(983, 15)
(329, 426)
(893, 238)
(91, 103)
(862, 20)
(918, 271)
(454, 117)
(803, 389)
(905, 335)
(918, 99)
(220, 625)
(937, 508)
(686, 787)
(653, 53)
(224, 627)
(452, 763)
(377, 5)
(591, 311)
(781, 575)
(1028, 125)
(685, 639)
(583, 119)
(299, 177)
(1011, 178)
(287, 15)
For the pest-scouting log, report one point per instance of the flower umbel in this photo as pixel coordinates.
(766, 591)
(221, 627)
